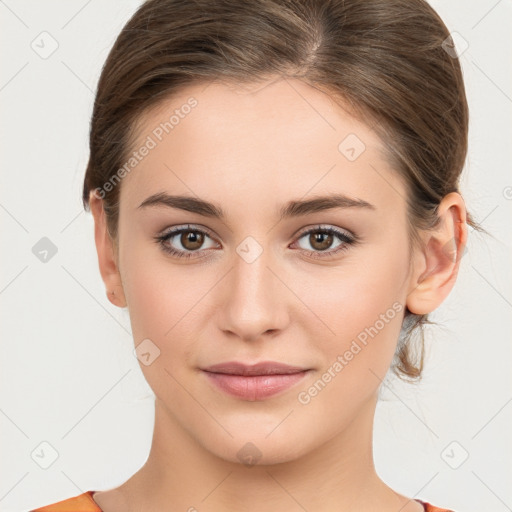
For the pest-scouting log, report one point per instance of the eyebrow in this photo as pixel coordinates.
(290, 209)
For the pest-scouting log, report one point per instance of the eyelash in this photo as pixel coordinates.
(341, 235)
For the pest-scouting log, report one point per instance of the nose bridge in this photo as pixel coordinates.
(253, 304)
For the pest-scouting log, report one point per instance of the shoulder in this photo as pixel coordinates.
(431, 508)
(81, 503)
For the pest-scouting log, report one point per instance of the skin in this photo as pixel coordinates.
(250, 150)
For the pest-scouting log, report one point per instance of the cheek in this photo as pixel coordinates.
(161, 304)
(155, 291)
(166, 305)
(161, 301)
(361, 306)
(365, 311)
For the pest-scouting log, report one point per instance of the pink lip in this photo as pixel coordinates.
(254, 382)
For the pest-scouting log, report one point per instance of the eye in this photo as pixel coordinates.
(192, 239)
(321, 239)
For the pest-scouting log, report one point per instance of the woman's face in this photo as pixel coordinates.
(254, 285)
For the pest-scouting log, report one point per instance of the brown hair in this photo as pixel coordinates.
(386, 59)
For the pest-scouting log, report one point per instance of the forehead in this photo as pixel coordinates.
(265, 141)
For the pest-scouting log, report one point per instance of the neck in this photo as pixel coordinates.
(338, 475)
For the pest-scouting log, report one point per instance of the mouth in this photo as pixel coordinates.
(254, 382)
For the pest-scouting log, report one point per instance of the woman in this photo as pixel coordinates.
(274, 186)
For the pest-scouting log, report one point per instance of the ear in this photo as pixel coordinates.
(436, 265)
(107, 253)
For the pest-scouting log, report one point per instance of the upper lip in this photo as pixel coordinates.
(262, 368)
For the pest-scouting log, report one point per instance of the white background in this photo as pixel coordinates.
(68, 374)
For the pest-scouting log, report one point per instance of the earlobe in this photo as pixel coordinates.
(437, 263)
(107, 260)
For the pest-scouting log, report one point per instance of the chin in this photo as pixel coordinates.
(254, 447)
(257, 454)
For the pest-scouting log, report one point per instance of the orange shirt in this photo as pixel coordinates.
(81, 503)
(85, 503)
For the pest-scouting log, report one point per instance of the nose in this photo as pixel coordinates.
(254, 300)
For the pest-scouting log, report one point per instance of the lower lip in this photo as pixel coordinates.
(254, 387)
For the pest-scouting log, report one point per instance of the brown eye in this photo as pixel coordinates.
(186, 242)
(320, 240)
(192, 240)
